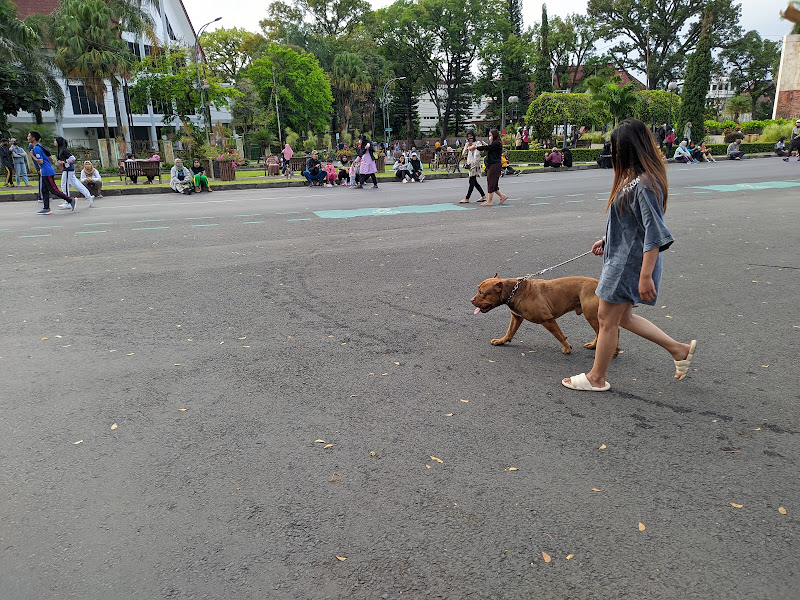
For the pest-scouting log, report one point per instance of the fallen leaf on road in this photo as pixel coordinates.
(512, 469)
(449, 415)
(326, 446)
(372, 453)
(44, 339)
(427, 466)
(602, 447)
(397, 363)
(439, 460)
(756, 429)
(342, 558)
(464, 401)
(78, 442)
(335, 478)
(319, 441)
(595, 490)
(734, 505)
(546, 557)
(243, 338)
(183, 409)
(491, 361)
(113, 426)
(642, 527)
(569, 556)
(781, 510)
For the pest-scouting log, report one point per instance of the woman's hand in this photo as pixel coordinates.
(597, 248)
(647, 289)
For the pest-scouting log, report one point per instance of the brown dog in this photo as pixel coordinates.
(541, 301)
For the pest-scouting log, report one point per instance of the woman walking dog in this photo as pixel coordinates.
(635, 237)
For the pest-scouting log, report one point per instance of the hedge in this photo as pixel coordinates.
(751, 148)
(537, 156)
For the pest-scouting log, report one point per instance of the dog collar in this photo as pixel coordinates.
(514, 290)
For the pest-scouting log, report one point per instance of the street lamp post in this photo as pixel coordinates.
(513, 101)
(502, 104)
(200, 86)
(386, 109)
(672, 86)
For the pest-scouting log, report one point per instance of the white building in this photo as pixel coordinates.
(429, 117)
(82, 123)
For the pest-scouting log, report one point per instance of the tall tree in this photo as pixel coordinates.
(543, 77)
(572, 42)
(229, 51)
(303, 89)
(753, 65)
(350, 81)
(696, 84)
(28, 80)
(86, 50)
(515, 16)
(656, 36)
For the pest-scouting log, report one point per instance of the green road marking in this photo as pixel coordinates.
(49, 227)
(298, 220)
(379, 212)
(543, 197)
(207, 225)
(88, 232)
(251, 222)
(740, 187)
(539, 203)
(5, 230)
(147, 228)
(289, 213)
(571, 201)
(92, 224)
(40, 235)
(701, 192)
(197, 218)
(151, 221)
(573, 195)
(255, 215)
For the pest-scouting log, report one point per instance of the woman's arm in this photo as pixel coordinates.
(647, 289)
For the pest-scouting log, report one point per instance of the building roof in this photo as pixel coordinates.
(26, 8)
(580, 75)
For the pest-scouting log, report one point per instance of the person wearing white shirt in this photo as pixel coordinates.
(90, 177)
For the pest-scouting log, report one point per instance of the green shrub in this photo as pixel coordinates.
(754, 126)
(751, 148)
(537, 156)
(776, 130)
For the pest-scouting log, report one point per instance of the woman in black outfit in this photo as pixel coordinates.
(472, 153)
(494, 153)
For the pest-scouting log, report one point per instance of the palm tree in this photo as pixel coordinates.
(349, 80)
(618, 101)
(21, 48)
(87, 50)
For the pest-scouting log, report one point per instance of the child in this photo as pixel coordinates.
(330, 173)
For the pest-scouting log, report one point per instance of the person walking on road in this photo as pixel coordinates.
(472, 156)
(20, 163)
(46, 174)
(494, 154)
(367, 166)
(636, 235)
(67, 161)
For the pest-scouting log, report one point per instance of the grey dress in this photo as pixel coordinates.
(636, 228)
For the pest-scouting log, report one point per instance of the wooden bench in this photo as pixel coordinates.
(140, 168)
(583, 144)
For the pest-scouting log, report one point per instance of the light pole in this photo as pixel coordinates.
(201, 87)
(386, 127)
(514, 101)
(672, 86)
(502, 104)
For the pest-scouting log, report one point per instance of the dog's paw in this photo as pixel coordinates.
(566, 350)
(498, 342)
(590, 345)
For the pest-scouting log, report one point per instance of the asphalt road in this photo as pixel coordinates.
(217, 396)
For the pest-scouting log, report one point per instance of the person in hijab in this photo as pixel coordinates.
(286, 155)
(67, 161)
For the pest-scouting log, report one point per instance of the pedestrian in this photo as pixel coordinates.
(314, 173)
(687, 131)
(6, 162)
(734, 152)
(472, 156)
(286, 155)
(526, 138)
(181, 178)
(518, 139)
(661, 133)
(367, 166)
(38, 169)
(67, 161)
(90, 177)
(494, 153)
(199, 177)
(343, 176)
(20, 163)
(46, 173)
(604, 159)
(669, 141)
(780, 148)
(400, 168)
(794, 140)
(636, 235)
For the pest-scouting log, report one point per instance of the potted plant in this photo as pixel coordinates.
(228, 161)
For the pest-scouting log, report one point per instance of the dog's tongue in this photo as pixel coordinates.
(477, 310)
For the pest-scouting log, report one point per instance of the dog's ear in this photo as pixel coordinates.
(497, 275)
(498, 286)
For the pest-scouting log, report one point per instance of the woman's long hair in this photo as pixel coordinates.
(364, 142)
(62, 152)
(634, 152)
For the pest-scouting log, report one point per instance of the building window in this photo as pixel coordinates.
(81, 103)
(170, 32)
(135, 49)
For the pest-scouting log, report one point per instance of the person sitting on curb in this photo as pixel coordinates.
(682, 154)
(314, 172)
(415, 168)
(90, 177)
(733, 150)
(401, 169)
(506, 167)
(604, 160)
(706, 153)
(330, 173)
(780, 149)
(553, 159)
(343, 177)
(200, 179)
(180, 178)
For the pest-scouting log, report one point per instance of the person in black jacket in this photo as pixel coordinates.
(494, 154)
(604, 160)
(6, 162)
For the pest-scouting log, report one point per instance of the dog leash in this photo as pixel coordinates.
(542, 272)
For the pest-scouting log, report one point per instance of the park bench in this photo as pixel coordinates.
(139, 168)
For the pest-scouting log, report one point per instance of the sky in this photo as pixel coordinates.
(761, 15)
